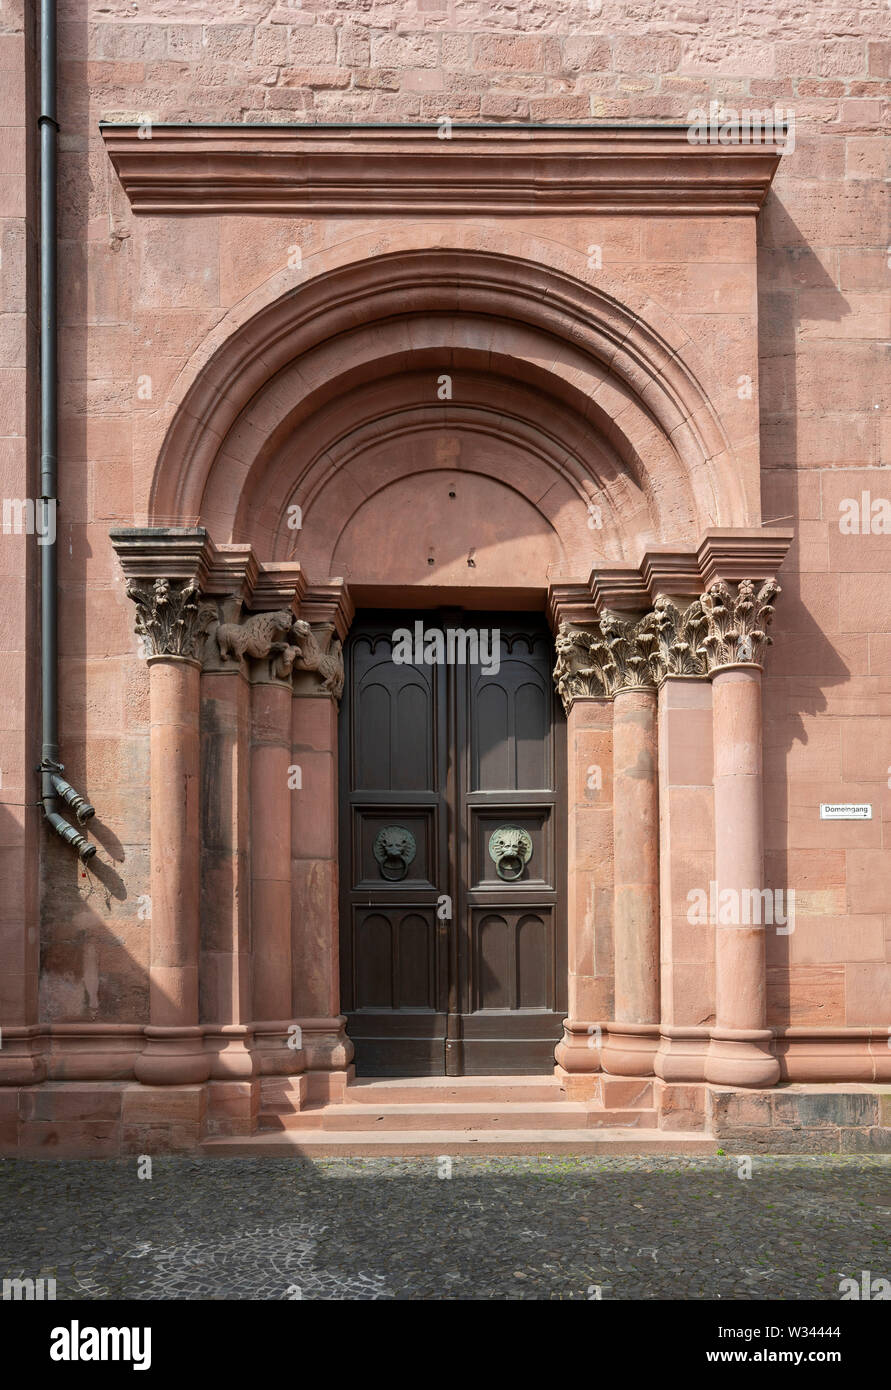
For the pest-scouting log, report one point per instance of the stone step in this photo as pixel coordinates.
(426, 1090)
(418, 1143)
(458, 1117)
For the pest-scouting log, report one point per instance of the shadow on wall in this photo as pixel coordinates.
(95, 935)
(804, 661)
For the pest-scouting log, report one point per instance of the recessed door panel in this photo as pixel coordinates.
(453, 950)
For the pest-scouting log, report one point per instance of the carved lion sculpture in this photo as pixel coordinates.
(314, 657)
(260, 636)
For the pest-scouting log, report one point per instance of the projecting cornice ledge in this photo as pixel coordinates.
(410, 169)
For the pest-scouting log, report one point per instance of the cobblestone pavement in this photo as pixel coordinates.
(497, 1228)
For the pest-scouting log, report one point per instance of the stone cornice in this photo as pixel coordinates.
(724, 553)
(329, 603)
(188, 553)
(396, 170)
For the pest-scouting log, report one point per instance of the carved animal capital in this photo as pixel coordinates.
(171, 618)
(320, 652)
(263, 639)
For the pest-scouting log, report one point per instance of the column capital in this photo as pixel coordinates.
(737, 617)
(325, 617)
(602, 658)
(171, 617)
(678, 634)
(263, 646)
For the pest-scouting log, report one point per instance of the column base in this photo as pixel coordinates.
(578, 1052)
(229, 1048)
(630, 1049)
(741, 1057)
(172, 1057)
(326, 1044)
(275, 1053)
(22, 1056)
(682, 1054)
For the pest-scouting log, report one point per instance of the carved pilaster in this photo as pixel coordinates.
(171, 617)
(737, 623)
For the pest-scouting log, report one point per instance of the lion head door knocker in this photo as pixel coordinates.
(394, 849)
(510, 849)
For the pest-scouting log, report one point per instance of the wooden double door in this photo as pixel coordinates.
(452, 835)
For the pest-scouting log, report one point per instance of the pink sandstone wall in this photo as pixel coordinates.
(19, 605)
(140, 295)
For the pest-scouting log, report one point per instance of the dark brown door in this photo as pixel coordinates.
(453, 938)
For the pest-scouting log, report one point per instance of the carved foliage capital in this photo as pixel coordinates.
(615, 654)
(171, 618)
(678, 633)
(737, 619)
(726, 627)
(628, 646)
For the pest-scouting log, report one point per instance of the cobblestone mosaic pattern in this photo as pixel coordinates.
(487, 1228)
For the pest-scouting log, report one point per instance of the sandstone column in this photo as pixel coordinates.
(254, 653)
(246, 927)
(740, 1050)
(637, 856)
(171, 621)
(633, 1036)
(225, 960)
(686, 837)
(326, 613)
(589, 885)
(271, 848)
(225, 838)
(580, 683)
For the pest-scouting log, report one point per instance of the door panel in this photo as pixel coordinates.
(447, 773)
(512, 938)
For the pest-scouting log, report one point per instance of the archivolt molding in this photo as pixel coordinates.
(631, 382)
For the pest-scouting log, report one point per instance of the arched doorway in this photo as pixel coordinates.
(434, 429)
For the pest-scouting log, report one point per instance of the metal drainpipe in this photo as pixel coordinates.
(53, 787)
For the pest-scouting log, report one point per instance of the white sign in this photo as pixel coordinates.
(845, 813)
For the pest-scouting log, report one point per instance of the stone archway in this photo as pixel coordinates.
(442, 423)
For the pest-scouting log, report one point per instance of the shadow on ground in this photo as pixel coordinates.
(487, 1228)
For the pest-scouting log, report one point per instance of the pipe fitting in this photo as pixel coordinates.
(84, 849)
(79, 804)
